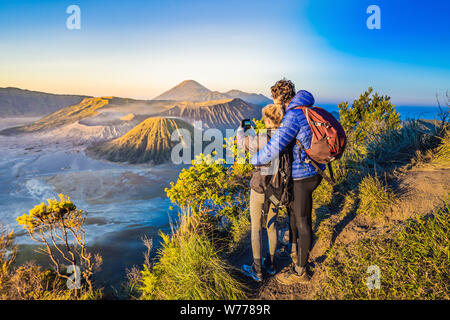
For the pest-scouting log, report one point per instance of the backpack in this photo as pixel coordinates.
(328, 140)
(278, 187)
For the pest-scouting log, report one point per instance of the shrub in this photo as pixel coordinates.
(374, 197)
(323, 194)
(414, 263)
(58, 226)
(239, 229)
(369, 115)
(441, 156)
(190, 267)
(8, 253)
(212, 186)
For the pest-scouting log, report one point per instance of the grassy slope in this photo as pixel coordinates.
(351, 234)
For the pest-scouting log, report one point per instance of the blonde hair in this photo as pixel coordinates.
(274, 112)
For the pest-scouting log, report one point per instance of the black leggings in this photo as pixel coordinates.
(302, 211)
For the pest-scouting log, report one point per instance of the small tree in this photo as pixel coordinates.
(58, 225)
(211, 186)
(369, 116)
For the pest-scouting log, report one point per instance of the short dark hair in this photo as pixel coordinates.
(284, 90)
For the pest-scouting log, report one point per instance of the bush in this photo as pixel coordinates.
(58, 226)
(441, 155)
(190, 268)
(30, 281)
(212, 186)
(414, 263)
(374, 197)
(323, 194)
(368, 116)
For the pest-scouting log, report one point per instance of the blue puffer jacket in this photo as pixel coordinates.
(293, 126)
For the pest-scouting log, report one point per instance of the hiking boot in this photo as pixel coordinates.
(297, 275)
(268, 265)
(251, 272)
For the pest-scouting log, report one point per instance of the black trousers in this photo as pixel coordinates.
(301, 216)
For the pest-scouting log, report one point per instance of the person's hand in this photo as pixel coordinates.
(250, 132)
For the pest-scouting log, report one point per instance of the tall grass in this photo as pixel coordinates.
(374, 197)
(442, 155)
(414, 263)
(190, 267)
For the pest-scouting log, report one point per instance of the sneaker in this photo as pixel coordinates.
(268, 265)
(250, 271)
(291, 277)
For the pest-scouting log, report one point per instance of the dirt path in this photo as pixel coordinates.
(420, 190)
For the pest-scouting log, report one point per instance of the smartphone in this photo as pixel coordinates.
(246, 124)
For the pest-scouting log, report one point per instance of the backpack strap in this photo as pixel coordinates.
(316, 166)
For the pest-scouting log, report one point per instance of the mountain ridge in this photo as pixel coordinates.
(16, 102)
(191, 90)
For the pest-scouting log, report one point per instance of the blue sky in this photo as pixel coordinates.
(141, 48)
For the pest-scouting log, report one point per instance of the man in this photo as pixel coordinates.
(305, 178)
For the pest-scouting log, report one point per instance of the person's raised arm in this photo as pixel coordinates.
(279, 140)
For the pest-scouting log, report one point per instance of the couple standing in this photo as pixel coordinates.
(286, 123)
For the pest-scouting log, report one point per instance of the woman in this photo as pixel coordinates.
(272, 115)
(305, 178)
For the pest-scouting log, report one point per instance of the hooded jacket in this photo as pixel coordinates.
(294, 126)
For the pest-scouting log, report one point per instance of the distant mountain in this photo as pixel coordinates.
(150, 141)
(215, 114)
(89, 108)
(190, 90)
(15, 102)
(254, 98)
(214, 109)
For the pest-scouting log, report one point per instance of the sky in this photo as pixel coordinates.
(139, 49)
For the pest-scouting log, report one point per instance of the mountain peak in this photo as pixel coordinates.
(190, 83)
(191, 90)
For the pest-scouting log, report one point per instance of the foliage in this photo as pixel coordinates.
(190, 267)
(8, 253)
(58, 225)
(260, 125)
(374, 197)
(323, 194)
(441, 155)
(239, 229)
(368, 112)
(30, 281)
(414, 263)
(210, 185)
(369, 115)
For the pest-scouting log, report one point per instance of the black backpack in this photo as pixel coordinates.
(278, 189)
